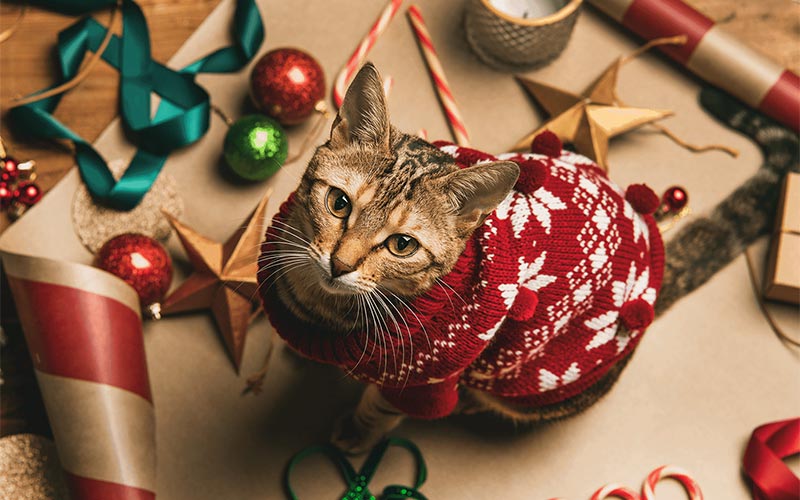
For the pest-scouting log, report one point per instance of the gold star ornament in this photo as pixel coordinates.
(590, 119)
(223, 280)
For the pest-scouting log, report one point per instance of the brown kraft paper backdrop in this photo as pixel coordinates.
(704, 376)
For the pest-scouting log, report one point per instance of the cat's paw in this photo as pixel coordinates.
(352, 437)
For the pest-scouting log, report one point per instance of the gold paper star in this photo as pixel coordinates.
(588, 120)
(224, 279)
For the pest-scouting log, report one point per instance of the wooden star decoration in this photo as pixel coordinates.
(223, 279)
(590, 119)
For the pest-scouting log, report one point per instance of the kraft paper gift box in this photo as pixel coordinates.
(783, 264)
(704, 376)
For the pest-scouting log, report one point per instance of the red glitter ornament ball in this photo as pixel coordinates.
(674, 199)
(6, 195)
(287, 84)
(10, 169)
(141, 262)
(27, 193)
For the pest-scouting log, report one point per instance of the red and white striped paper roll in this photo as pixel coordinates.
(84, 333)
(346, 75)
(713, 55)
(439, 80)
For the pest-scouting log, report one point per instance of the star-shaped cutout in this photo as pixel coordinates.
(588, 120)
(224, 278)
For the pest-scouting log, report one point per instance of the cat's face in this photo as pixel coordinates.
(386, 212)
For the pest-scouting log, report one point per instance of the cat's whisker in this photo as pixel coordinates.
(443, 284)
(411, 309)
(400, 331)
(378, 336)
(355, 325)
(389, 337)
(289, 229)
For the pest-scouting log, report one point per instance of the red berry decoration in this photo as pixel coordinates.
(143, 263)
(287, 84)
(547, 143)
(642, 198)
(674, 199)
(10, 170)
(6, 195)
(27, 193)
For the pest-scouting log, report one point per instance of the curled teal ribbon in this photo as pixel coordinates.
(182, 116)
(357, 482)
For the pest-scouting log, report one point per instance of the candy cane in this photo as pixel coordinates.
(615, 490)
(437, 74)
(676, 473)
(346, 75)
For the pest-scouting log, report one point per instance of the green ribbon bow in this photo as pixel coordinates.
(357, 481)
(182, 116)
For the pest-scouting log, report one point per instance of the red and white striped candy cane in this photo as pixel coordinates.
(615, 491)
(713, 55)
(346, 75)
(437, 74)
(673, 472)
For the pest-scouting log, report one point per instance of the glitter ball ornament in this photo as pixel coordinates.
(287, 84)
(27, 193)
(674, 199)
(255, 147)
(141, 262)
(6, 195)
(10, 169)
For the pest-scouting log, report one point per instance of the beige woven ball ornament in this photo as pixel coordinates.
(514, 35)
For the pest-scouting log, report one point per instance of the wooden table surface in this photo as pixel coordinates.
(27, 62)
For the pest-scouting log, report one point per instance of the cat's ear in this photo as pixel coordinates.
(476, 191)
(363, 117)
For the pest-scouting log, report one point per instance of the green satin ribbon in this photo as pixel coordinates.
(357, 482)
(182, 116)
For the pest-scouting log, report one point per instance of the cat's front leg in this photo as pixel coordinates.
(359, 431)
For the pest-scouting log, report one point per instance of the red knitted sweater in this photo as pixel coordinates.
(546, 282)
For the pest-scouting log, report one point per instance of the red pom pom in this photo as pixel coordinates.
(636, 314)
(642, 198)
(524, 305)
(547, 143)
(532, 175)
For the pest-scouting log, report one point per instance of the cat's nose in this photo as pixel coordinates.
(339, 268)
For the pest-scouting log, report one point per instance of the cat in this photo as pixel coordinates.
(367, 264)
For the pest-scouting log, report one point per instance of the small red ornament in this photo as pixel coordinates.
(27, 193)
(547, 143)
(642, 198)
(10, 170)
(524, 305)
(636, 314)
(532, 175)
(287, 84)
(143, 263)
(6, 195)
(674, 199)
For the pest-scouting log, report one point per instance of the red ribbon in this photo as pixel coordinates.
(763, 465)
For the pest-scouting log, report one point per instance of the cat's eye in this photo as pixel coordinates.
(338, 203)
(401, 245)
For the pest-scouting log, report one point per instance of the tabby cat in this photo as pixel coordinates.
(379, 243)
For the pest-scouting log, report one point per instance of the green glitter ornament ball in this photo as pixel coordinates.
(255, 147)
